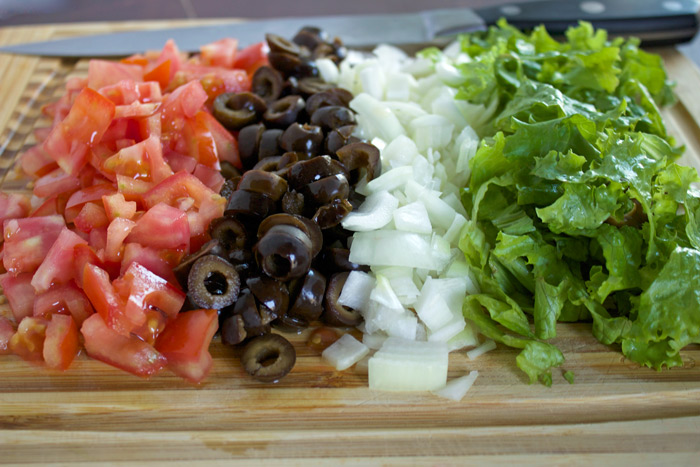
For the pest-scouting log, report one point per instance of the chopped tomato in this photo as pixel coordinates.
(210, 177)
(91, 216)
(61, 344)
(220, 53)
(143, 160)
(135, 110)
(88, 119)
(79, 198)
(53, 205)
(185, 101)
(116, 206)
(104, 298)
(117, 231)
(226, 145)
(103, 73)
(123, 92)
(133, 189)
(159, 72)
(185, 343)
(170, 223)
(55, 183)
(58, 265)
(126, 352)
(6, 333)
(35, 161)
(179, 162)
(160, 262)
(84, 254)
(28, 341)
(66, 299)
(19, 293)
(27, 241)
(251, 58)
(13, 206)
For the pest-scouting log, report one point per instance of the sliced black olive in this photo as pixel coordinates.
(302, 138)
(333, 260)
(268, 358)
(271, 293)
(267, 83)
(280, 44)
(236, 110)
(284, 252)
(228, 170)
(292, 65)
(268, 164)
(290, 86)
(270, 144)
(306, 226)
(232, 236)
(247, 308)
(288, 323)
(331, 214)
(360, 157)
(327, 189)
(213, 283)
(332, 116)
(249, 143)
(264, 182)
(309, 302)
(250, 203)
(323, 50)
(228, 188)
(333, 96)
(233, 330)
(312, 85)
(339, 137)
(304, 172)
(309, 37)
(334, 313)
(293, 203)
(182, 270)
(289, 158)
(283, 112)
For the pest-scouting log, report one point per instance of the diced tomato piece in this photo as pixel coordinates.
(181, 185)
(159, 72)
(151, 301)
(214, 80)
(133, 189)
(200, 142)
(210, 177)
(28, 341)
(162, 226)
(52, 206)
(59, 262)
(67, 299)
(172, 54)
(55, 183)
(123, 92)
(61, 343)
(41, 133)
(98, 239)
(252, 57)
(143, 160)
(185, 343)
(37, 162)
(6, 333)
(220, 53)
(226, 144)
(19, 293)
(103, 73)
(92, 193)
(126, 352)
(107, 303)
(87, 121)
(135, 110)
(116, 206)
(27, 241)
(136, 59)
(91, 216)
(183, 102)
(179, 162)
(160, 262)
(13, 206)
(84, 254)
(149, 91)
(117, 231)
(199, 220)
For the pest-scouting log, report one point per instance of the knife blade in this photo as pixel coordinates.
(655, 22)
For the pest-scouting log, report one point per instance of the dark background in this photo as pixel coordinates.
(22, 12)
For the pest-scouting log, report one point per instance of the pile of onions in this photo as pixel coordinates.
(408, 227)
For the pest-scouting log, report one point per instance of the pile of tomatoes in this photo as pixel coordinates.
(126, 183)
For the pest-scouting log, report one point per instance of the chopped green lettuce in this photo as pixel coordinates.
(578, 210)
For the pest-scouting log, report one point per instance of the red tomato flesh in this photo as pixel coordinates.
(61, 344)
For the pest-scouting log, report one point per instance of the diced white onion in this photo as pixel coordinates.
(431, 131)
(401, 365)
(345, 352)
(374, 341)
(399, 86)
(373, 80)
(375, 212)
(377, 116)
(457, 388)
(399, 152)
(384, 295)
(390, 180)
(356, 291)
(449, 330)
(328, 70)
(393, 248)
(487, 346)
(465, 338)
(413, 217)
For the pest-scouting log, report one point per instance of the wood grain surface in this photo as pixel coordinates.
(615, 413)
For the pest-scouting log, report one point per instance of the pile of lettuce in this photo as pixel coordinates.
(578, 211)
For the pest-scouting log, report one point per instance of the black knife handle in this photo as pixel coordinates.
(655, 22)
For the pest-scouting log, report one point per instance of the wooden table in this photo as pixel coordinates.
(616, 412)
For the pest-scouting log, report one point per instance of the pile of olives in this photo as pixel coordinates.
(279, 256)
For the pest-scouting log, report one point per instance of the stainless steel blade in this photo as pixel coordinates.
(356, 31)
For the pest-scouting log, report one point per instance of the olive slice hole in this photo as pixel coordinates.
(216, 283)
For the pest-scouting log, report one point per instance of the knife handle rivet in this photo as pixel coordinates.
(592, 8)
(672, 6)
(511, 10)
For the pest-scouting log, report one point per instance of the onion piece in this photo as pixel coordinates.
(465, 338)
(375, 212)
(413, 217)
(457, 388)
(356, 291)
(377, 117)
(401, 365)
(431, 131)
(487, 346)
(391, 248)
(345, 352)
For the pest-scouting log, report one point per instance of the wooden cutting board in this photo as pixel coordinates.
(616, 412)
